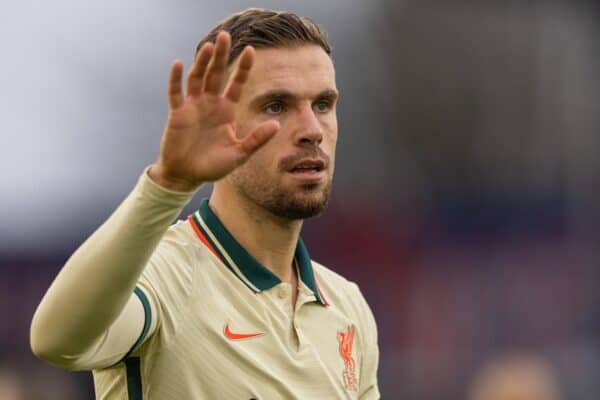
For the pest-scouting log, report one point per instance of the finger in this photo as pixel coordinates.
(216, 68)
(196, 75)
(259, 136)
(240, 76)
(175, 96)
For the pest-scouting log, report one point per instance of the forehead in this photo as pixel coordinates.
(304, 71)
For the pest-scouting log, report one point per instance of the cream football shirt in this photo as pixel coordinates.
(219, 325)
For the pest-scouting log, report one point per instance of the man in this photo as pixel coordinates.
(228, 304)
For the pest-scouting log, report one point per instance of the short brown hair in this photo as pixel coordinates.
(263, 28)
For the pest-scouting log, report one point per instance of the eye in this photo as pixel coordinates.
(322, 106)
(274, 108)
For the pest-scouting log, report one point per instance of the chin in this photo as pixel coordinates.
(291, 200)
(303, 204)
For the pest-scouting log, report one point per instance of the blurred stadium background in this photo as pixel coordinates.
(466, 201)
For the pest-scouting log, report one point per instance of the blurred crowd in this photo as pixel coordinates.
(465, 203)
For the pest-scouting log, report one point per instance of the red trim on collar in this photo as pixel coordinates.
(201, 236)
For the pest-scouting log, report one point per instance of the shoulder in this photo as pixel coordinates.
(180, 235)
(340, 291)
(180, 243)
(173, 262)
(327, 277)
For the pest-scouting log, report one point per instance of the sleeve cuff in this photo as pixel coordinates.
(151, 190)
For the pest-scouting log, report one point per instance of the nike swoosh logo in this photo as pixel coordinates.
(238, 336)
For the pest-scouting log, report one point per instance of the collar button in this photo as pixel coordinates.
(284, 292)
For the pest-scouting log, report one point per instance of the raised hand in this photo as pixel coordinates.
(199, 143)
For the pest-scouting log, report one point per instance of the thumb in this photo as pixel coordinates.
(259, 136)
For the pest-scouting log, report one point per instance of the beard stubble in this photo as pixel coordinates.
(292, 203)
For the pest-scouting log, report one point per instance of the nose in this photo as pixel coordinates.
(309, 130)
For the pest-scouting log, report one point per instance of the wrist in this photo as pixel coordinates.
(160, 177)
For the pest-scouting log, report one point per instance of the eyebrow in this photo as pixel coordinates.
(286, 95)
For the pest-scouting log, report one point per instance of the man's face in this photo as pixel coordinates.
(291, 175)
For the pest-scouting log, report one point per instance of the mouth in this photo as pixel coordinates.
(311, 169)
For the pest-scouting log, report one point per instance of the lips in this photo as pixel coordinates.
(308, 165)
(308, 170)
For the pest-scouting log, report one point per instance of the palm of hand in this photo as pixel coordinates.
(202, 126)
(200, 142)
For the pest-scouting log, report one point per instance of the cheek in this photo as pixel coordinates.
(330, 140)
(330, 129)
(264, 160)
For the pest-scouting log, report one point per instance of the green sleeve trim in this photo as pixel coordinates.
(147, 322)
(147, 319)
(134, 379)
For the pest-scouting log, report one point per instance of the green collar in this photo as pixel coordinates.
(257, 277)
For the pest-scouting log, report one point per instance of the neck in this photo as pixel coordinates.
(271, 240)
